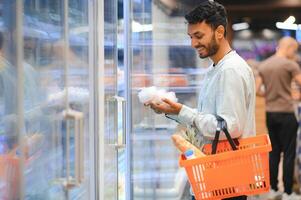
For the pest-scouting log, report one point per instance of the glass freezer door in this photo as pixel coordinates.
(159, 54)
(47, 100)
(114, 112)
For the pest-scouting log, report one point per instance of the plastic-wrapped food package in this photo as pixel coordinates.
(153, 94)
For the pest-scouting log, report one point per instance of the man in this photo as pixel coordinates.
(228, 89)
(276, 74)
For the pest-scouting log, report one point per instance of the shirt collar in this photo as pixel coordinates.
(228, 55)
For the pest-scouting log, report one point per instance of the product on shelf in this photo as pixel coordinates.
(141, 80)
(183, 145)
(171, 80)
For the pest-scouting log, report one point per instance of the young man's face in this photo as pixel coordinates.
(203, 39)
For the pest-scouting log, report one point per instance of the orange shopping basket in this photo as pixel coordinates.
(230, 173)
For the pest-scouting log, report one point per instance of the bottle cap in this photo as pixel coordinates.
(188, 153)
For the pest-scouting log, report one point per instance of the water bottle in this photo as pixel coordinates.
(189, 154)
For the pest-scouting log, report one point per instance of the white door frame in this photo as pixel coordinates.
(127, 8)
(99, 116)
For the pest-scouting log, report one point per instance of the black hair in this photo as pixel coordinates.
(211, 13)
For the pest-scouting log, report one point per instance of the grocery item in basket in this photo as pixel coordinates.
(150, 94)
(189, 154)
(183, 145)
(191, 135)
(244, 171)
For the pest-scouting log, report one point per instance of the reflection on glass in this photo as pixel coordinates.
(45, 99)
(9, 183)
(110, 85)
(161, 57)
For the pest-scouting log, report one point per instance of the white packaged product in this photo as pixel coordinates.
(150, 94)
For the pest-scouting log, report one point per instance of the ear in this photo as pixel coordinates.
(220, 31)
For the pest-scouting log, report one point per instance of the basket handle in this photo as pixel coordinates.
(222, 125)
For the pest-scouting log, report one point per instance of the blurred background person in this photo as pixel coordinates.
(276, 73)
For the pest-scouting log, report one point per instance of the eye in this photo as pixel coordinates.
(199, 36)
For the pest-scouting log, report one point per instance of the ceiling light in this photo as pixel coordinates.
(240, 26)
(287, 26)
(290, 20)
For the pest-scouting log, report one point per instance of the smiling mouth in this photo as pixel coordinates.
(202, 49)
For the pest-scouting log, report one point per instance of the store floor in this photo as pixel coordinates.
(187, 196)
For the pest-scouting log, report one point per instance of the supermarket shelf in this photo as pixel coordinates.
(189, 89)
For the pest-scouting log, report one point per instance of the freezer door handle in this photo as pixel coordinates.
(123, 102)
(78, 126)
(119, 111)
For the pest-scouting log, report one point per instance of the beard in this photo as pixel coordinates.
(211, 48)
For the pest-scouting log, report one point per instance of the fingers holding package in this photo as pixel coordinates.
(160, 100)
(165, 106)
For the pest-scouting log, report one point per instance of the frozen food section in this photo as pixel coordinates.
(71, 124)
(47, 140)
(161, 56)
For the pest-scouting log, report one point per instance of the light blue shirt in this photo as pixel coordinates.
(228, 90)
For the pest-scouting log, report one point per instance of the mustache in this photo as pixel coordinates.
(200, 46)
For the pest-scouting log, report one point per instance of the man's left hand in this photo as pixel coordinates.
(166, 106)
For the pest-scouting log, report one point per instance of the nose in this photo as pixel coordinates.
(194, 43)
